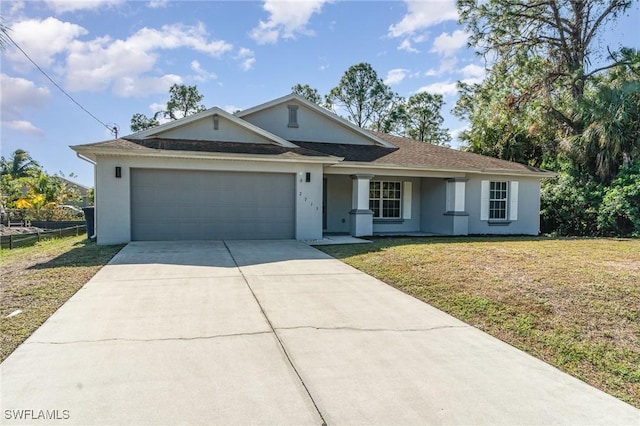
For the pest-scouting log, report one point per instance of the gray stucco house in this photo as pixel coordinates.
(291, 169)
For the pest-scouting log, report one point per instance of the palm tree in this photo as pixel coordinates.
(612, 136)
(4, 34)
(20, 164)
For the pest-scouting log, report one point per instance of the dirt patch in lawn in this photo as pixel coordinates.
(575, 303)
(36, 281)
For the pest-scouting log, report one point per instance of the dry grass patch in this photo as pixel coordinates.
(38, 280)
(575, 303)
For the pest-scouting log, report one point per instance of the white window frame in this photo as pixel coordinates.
(512, 201)
(498, 204)
(381, 199)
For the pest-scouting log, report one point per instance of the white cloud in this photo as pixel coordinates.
(18, 93)
(157, 107)
(157, 4)
(407, 47)
(23, 126)
(473, 71)
(61, 6)
(447, 65)
(42, 39)
(128, 86)
(201, 75)
(121, 64)
(447, 45)
(104, 63)
(15, 8)
(444, 88)
(395, 76)
(286, 19)
(246, 57)
(423, 14)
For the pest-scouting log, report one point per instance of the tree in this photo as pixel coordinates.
(141, 122)
(502, 125)
(363, 95)
(183, 101)
(307, 92)
(20, 164)
(561, 30)
(4, 34)
(550, 43)
(611, 139)
(423, 121)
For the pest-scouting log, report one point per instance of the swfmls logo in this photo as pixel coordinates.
(37, 414)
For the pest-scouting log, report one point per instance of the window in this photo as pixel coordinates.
(498, 200)
(293, 115)
(385, 199)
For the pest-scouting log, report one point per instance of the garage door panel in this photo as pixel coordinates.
(192, 205)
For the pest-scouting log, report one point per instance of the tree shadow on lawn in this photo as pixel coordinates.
(83, 253)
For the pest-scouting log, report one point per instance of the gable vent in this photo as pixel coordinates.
(293, 115)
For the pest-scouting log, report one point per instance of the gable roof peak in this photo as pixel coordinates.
(157, 130)
(320, 110)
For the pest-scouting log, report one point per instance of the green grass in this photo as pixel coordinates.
(575, 303)
(37, 280)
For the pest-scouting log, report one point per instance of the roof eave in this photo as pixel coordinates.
(94, 152)
(478, 170)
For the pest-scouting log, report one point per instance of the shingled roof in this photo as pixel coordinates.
(407, 152)
(412, 153)
(149, 145)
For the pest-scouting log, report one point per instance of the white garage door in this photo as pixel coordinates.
(201, 205)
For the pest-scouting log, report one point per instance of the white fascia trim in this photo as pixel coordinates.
(206, 156)
(358, 165)
(154, 131)
(330, 115)
(541, 175)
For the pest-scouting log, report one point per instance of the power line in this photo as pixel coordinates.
(112, 129)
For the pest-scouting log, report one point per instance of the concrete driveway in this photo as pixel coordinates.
(274, 332)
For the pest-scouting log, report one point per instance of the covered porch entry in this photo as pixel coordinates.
(365, 204)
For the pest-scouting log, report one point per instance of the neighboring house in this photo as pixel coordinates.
(81, 190)
(291, 169)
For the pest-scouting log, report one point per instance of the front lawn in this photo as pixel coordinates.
(575, 303)
(38, 280)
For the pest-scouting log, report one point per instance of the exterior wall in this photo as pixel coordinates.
(203, 130)
(112, 203)
(339, 203)
(401, 225)
(113, 195)
(339, 189)
(312, 127)
(528, 221)
(433, 203)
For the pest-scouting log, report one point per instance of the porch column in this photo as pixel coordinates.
(456, 198)
(360, 215)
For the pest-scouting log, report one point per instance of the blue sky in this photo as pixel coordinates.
(118, 57)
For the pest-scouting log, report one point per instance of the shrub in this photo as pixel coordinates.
(569, 205)
(619, 213)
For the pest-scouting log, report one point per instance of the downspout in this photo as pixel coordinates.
(88, 160)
